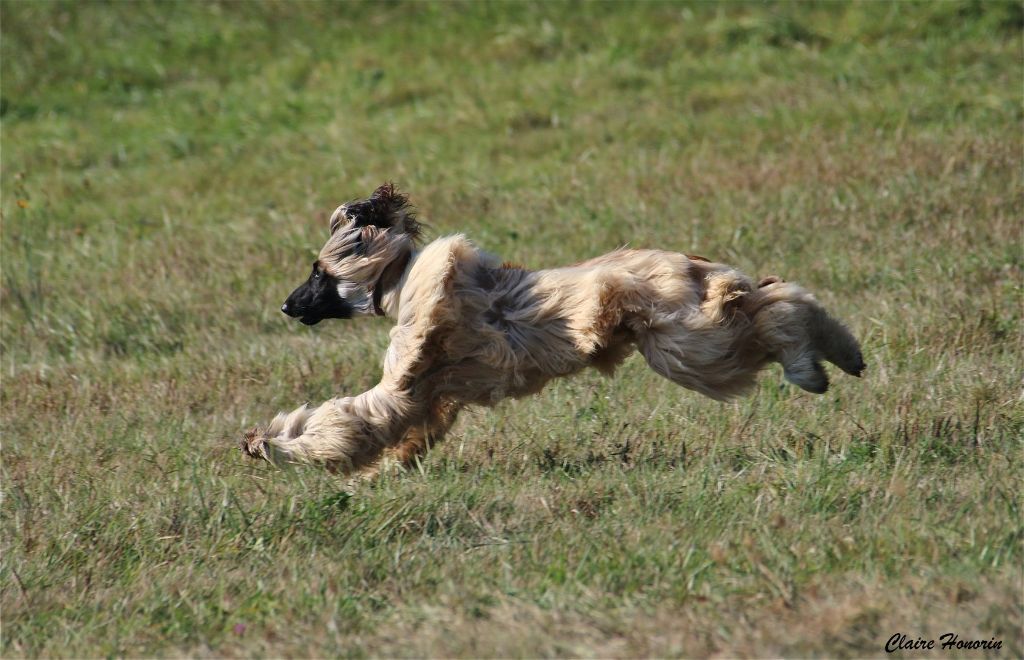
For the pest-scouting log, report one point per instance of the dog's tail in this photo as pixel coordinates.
(797, 332)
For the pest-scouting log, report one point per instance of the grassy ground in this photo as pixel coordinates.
(167, 173)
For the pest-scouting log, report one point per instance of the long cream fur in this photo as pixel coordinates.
(471, 330)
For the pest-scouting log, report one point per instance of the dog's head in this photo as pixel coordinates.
(370, 240)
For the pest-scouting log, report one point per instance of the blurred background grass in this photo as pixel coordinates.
(167, 172)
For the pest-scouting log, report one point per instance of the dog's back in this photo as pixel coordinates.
(704, 325)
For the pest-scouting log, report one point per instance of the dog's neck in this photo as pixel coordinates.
(392, 284)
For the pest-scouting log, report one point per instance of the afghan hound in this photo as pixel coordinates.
(471, 330)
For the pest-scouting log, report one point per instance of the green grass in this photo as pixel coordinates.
(167, 172)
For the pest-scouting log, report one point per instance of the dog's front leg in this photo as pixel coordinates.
(345, 434)
(419, 439)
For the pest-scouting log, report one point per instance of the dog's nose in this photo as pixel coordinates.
(284, 308)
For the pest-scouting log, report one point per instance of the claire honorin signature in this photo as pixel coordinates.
(946, 642)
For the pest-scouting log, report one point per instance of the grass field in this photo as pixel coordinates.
(167, 173)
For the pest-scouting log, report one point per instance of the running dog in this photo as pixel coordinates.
(471, 330)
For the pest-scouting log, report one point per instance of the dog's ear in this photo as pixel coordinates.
(337, 219)
(385, 209)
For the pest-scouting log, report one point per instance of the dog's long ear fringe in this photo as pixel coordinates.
(386, 208)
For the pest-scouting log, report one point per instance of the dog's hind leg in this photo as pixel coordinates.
(836, 343)
(703, 349)
(799, 333)
(802, 368)
(702, 360)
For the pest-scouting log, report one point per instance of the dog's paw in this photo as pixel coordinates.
(259, 444)
(254, 444)
(808, 375)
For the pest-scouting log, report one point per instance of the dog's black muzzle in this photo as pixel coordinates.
(305, 315)
(317, 299)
